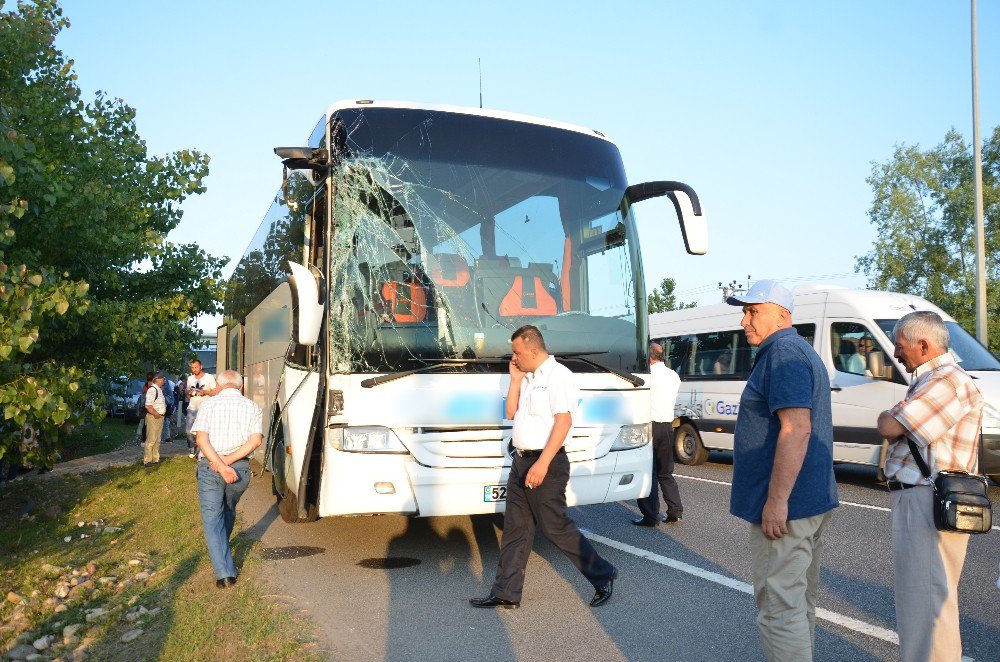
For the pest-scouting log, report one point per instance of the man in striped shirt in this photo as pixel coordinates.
(942, 413)
(227, 430)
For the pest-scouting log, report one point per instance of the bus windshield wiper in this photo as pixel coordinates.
(582, 356)
(393, 376)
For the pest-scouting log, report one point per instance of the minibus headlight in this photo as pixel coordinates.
(632, 436)
(367, 439)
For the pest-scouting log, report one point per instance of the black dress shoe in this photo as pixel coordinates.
(493, 602)
(603, 594)
(230, 581)
(673, 519)
(645, 521)
(220, 583)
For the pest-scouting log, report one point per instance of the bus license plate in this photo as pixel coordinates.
(494, 493)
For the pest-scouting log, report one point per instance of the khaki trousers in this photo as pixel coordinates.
(154, 426)
(927, 565)
(785, 578)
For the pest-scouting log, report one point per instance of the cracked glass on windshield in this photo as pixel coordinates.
(450, 231)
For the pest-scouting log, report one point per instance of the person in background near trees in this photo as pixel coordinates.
(783, 482)
(156, 409)
(227, 430)
(140, 428)
(200, 386)
(541, 399)
(943, 414)
(663, 386)
(168, 393)
(180, 407)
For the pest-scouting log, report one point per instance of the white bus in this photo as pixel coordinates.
(372, 312)
(851, 331)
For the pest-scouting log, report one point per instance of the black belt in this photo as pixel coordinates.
(524, 453)
(894, 485)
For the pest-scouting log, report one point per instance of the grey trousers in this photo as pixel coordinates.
(543, 507)
(785, 578)
(927, 565)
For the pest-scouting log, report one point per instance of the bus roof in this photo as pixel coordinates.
(465, 110)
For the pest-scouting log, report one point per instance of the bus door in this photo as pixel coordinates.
(858, 395)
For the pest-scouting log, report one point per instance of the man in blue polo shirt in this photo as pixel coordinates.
(783, 481)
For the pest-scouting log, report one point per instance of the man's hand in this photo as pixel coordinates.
(536, 474)
(515, 370)
(774, 519)
(228, 474)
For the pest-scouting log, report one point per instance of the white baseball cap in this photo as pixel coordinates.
(764, 291)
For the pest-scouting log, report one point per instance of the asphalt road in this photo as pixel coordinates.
(682, 592)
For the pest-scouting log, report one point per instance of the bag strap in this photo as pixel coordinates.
(915, 452)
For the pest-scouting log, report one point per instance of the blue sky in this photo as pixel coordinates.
(773, 111)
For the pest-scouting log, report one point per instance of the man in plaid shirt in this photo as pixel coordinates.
(227, 430)
(942, 413)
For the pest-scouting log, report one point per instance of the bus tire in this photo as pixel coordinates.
(288, 508)
(688, 448)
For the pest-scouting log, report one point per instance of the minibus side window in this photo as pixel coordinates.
(850, 345)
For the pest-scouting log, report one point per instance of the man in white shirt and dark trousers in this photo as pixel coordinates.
(663, 386)
(227, 430)
(200, 386)
(541, 401)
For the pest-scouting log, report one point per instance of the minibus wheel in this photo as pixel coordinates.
(688, 448)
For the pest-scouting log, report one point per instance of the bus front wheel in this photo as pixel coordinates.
(687, 445)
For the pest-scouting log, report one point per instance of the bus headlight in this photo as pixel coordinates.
(632, 436)
(367, 439)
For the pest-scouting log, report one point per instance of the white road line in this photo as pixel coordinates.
(843, 503)
(827, 615)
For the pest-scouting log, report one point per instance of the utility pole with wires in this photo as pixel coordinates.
(734, 287)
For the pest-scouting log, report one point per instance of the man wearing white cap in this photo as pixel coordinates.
(783, 482)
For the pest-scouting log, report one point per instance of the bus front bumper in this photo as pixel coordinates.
(370, 483)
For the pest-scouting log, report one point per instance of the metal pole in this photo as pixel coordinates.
(981, 322)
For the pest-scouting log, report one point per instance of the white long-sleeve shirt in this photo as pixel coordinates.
(663, 386)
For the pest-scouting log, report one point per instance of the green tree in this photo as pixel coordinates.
(663, 298)
(923, 213)
(89, 286)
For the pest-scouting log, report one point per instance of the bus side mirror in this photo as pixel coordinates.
(307, 304)
(694, 225)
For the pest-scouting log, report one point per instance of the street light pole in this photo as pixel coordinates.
(981, 322)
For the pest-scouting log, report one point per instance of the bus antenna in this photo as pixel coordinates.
(480, 61)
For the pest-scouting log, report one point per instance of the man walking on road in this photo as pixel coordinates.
(942, 414)
(663, 386)
(227, 430)
(783, 482)
(541, 400)
(200, 386)
(156, 409)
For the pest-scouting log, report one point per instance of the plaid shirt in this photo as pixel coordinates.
(229, 419)
(943, 414)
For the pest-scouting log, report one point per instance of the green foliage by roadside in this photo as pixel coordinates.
(82, 207)
(923, 211)
(663, 298)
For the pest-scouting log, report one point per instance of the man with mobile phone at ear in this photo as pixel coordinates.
(200, 386)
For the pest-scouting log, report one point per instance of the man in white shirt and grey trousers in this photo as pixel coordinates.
(663, 386)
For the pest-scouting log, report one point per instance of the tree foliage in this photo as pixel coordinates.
(923, 211)
(663, 298)
(89, 286)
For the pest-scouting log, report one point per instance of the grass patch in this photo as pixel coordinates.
(157, 560)
(94, 439)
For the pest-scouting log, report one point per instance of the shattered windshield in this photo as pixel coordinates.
(449, 231)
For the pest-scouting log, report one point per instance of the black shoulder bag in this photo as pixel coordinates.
(961, 503)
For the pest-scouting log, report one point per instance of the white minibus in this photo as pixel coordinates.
(851, 331)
